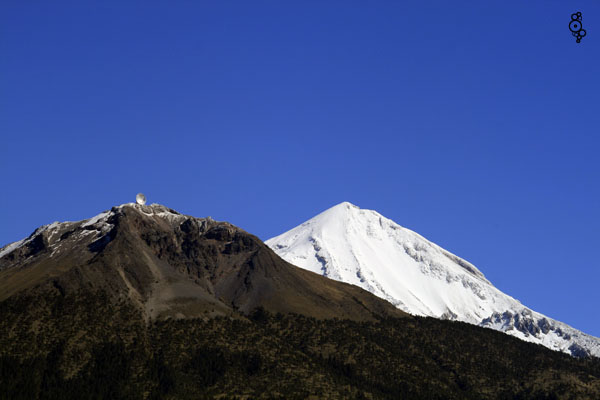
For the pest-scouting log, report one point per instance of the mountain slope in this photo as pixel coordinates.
(141, 302)
(171, 265)
(361, 247)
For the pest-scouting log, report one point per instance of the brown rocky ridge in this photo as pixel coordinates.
(173, 265)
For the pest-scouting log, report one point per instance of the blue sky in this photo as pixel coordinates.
(473, 123)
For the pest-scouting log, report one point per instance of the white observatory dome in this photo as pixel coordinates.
(140, 199)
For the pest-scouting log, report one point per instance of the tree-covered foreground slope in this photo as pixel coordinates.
(70, 347)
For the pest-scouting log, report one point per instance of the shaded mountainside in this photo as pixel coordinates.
(141, 302)
(172, 265)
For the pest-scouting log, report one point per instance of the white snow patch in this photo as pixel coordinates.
(96, 219)
(11, 247)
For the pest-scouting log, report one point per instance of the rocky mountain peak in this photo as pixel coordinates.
(172, 265)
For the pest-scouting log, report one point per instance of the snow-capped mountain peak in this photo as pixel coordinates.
(366, 249)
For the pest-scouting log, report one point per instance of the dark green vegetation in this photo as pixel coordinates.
(146, 303)
(86, 347)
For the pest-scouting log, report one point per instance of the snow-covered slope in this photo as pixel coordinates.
(364, 248)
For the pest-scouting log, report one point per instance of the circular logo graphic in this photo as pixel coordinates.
(575, 26)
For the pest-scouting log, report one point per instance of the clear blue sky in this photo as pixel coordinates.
(474, 123)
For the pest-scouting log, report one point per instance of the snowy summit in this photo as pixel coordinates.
(364, 248)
